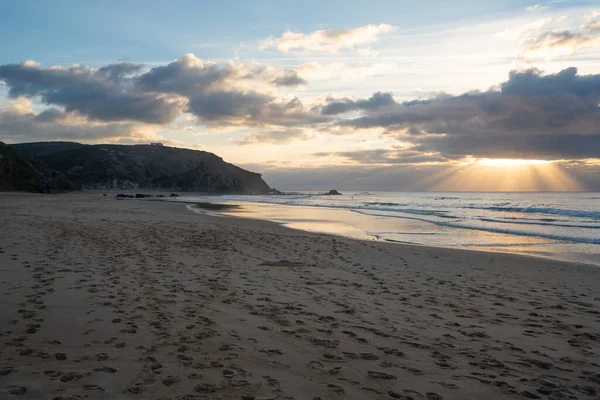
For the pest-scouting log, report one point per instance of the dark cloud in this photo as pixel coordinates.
(119, 70)
(530, 116)
(563, 83)
(190, 76)
(543, 147)
(107, 103)
(121, 92)
(376, 102)
(252, 108)
(186, 76)
(50, 115)
(97, 94)
(288, 79)
(228, 105)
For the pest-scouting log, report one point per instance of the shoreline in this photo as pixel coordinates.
(238, 207)
(134, 299)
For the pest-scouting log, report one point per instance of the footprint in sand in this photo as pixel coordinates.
(135, 390)
(105, 368)
(380, 375)
(170, 380)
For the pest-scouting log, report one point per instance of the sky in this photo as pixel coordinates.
(356, 95)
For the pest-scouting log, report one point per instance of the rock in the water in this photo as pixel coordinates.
(174, 195)
(333, 192)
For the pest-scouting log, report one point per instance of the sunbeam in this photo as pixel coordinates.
(508, 175)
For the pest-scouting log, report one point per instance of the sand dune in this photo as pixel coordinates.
(106, 299)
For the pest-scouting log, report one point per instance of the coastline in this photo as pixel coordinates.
(126, 299)
(345, 224)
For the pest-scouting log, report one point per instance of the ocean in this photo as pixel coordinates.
(563, 226)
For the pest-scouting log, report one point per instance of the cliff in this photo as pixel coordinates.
(21, 174)
(145, 167)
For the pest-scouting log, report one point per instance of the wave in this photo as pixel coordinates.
(304, 200)
(576, 239)
(416, 211)
(542, 210)
(542, 222)
(372, 206)
(376, 203)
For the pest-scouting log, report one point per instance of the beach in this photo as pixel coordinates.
(119, 299)
(562, 226)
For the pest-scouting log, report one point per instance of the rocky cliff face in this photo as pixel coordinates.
(145, 167)
(22, 174)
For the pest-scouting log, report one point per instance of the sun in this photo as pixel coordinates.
(509, 162)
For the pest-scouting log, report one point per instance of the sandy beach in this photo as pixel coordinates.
(107, 299)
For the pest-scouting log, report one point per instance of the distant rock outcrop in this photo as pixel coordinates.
(333, 192)
(21, 174)
(128, 167)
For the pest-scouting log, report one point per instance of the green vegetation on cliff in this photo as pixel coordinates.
(146, 167)
(21, 174)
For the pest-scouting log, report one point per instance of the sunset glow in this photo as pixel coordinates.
(376, 96)
(506, 175)
(508, 162)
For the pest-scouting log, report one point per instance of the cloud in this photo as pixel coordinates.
(253, 109)
(386, 156)
(99, 94)
(409, 177)
(536, 7)
(189, 76)
(551, 45)
(275, 137)
(530, 29)
(19, 123)
(556, 44)
(531, 115)
(537, 147)
(229, 93)
(119, 70)
(376, 102)
(288, 78)
(327, 40)
(50, 115)
(229, 105)
(593, 26)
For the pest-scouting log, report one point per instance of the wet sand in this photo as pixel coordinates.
(107, 299)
